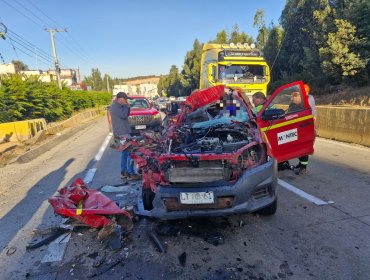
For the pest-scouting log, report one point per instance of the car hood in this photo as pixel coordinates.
(143, 111)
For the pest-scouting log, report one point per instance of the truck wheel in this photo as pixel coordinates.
(148, 197)
(269, 209)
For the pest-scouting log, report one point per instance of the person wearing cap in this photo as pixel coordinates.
(119, 113)
(301, 167)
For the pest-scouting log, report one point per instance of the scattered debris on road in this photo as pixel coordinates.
(182, 259)
(153, 236)
(54, 234)
(10, 251)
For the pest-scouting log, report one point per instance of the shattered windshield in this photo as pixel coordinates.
(219, 113)
(238, 73)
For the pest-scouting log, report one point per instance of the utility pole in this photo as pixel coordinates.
(108, 84)
(56, 62)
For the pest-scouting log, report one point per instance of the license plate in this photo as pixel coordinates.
(197, 198)
(140, 126)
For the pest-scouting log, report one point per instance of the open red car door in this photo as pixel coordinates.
(286, 123)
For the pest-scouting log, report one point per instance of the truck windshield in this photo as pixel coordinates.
(242, 73)
(139, 103)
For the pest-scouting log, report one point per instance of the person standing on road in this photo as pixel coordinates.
(301, 167)
(119, 113)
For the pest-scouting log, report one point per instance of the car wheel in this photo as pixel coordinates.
(269, 209)
(148, 197)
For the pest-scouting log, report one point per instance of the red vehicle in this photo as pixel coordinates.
(220, 159)
(143, 115)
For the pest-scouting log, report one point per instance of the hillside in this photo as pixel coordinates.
(344, 95)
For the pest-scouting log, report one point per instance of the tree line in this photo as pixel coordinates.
(323, 42)
(23, 98)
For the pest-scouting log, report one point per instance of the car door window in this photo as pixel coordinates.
(290, 99)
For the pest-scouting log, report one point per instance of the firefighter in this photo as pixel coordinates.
(301, 167)
(259, 99)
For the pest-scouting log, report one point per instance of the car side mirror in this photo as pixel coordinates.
(273, 114)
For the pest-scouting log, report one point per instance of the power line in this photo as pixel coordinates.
(22, 13)
(65, 45)
(28, 10)
(11, 42)
(30, 48)
(79, 49)
(37, 8)
(24, 41)
(24, 52)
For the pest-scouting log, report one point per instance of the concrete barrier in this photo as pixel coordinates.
(25, 130)
(21, 131)
(54, 128)
(345, 124)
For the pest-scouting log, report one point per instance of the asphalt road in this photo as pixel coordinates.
(301, 241)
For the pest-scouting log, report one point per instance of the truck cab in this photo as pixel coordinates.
(234, 65)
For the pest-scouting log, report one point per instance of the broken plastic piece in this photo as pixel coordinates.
(88, 206)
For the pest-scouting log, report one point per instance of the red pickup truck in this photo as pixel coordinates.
(143, 115)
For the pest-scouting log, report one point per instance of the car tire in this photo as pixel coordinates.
(269, 209)
(148, 197)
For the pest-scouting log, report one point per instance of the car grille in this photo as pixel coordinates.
(135, 120)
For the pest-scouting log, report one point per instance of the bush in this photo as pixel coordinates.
(23, 98)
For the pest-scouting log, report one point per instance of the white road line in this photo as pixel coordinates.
(91, 172)
(57, 248)
(344, 144)
(89, 176)
(103, 147)
(302, 194)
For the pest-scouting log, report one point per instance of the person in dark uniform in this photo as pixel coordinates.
(119, 113)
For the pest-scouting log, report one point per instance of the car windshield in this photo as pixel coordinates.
(235, 72)
(139, 103)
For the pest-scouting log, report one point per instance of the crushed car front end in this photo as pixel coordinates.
(210, 162)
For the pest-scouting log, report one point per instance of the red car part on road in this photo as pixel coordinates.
(88, 206)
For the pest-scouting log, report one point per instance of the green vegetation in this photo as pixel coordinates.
(24, 98)
(325, 43)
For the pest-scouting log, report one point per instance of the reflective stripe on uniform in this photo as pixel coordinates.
(303, 162)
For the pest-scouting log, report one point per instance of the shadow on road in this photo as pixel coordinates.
(23, 212)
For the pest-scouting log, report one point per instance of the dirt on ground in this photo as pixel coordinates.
(344, 96)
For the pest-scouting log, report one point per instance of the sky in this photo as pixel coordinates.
(121, 38)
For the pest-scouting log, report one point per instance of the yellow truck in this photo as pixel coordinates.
(234, 65)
